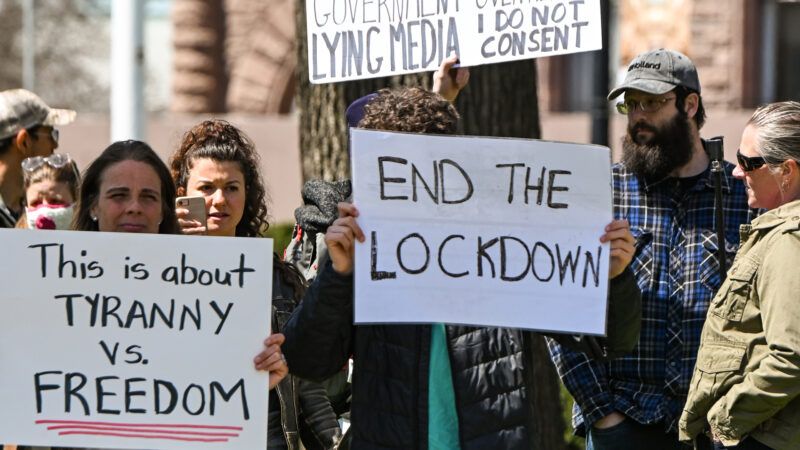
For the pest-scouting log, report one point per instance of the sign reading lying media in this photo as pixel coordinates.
(354, 39)
(123, 340)
(481, 231)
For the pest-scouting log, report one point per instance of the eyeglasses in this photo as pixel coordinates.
(54, 134)
(648, 105)
(749, 163)
(56, 161)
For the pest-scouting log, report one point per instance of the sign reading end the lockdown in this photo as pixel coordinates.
(354, 39)
(481, 231)
(118, 340)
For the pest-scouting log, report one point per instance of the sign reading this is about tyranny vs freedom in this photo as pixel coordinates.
(354, 39)
(481, 231)
(123, 340)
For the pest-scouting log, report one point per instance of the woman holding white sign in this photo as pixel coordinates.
(437, 386)
(218, 163)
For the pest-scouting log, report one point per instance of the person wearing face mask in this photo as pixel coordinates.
(665, 188)
(51, 189)
(27, 129)
(745, 387)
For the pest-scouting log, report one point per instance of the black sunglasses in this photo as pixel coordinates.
(749, 163)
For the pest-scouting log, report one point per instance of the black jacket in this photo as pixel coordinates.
(302, 406)
(493, 389)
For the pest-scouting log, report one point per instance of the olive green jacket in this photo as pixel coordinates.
(747, 377)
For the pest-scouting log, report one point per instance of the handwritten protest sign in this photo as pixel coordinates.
(354, 39)
(481, 231)
(120, 340)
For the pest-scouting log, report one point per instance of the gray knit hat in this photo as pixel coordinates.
(658, 72)
(21, 109)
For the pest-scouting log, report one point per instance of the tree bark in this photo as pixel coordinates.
(500, 100)
(321, 107)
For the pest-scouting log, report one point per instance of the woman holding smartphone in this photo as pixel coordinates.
(217, 162)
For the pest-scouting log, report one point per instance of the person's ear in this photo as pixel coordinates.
(690, 104)
(23, 142)
(790, 169)
(181, 191)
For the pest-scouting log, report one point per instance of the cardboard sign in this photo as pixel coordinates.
(481, 231)
(119, 340)
(354, 39)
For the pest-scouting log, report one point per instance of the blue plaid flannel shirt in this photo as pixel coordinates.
(676, 268)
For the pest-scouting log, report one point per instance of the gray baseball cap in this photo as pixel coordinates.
(21, 109)
(658, 72)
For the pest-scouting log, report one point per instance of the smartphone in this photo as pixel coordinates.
(196, 207)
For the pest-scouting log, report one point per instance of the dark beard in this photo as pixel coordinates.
(668, 149)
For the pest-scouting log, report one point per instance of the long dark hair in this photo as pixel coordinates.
(218, 140)
(116, 153)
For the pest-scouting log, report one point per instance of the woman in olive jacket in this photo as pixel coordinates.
(745, 387)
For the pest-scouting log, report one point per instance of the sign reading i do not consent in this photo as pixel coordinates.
(122, 340)
(481, 231)
(354, 39)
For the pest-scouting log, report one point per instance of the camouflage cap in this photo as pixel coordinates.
(21, 109)
(658, 72)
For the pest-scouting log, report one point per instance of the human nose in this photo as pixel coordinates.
(738, 172)
(218, 198)
(636, 112)
(134, 206)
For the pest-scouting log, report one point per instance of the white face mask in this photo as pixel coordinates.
(49, 217)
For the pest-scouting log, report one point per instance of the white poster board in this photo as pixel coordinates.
(122, 340)
(355, 39)
(481, 231)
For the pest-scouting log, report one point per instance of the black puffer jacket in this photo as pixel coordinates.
(391, 364)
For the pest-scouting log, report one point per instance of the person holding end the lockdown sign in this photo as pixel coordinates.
(433, 386)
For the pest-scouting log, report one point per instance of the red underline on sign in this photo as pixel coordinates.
(138, 430)
(142, 436)
(154, 425)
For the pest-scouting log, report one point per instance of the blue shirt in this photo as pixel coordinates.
(676, 268)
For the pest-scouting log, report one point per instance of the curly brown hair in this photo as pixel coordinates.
(220, 141)
(410, 109)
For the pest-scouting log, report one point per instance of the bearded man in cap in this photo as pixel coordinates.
(665, 188)
(27, 129)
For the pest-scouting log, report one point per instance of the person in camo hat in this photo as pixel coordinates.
(27, 129)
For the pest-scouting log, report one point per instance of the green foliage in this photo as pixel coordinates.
(282, 234)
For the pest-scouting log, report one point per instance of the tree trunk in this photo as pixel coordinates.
(500, 100)
(323, 128)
